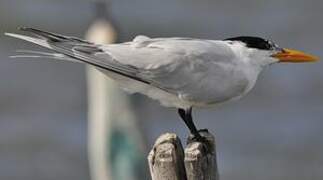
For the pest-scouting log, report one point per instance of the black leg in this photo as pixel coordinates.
(186, 115)
(182, 113)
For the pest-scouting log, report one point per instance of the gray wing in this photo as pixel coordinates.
(170, 64)
(77, 49)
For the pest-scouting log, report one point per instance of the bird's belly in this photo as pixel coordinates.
(218, 89)
(215, 89)
(165, 98)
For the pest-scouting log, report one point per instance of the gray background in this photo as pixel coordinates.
(274, 133)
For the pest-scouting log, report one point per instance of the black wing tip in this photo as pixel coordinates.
(23, 28)
(43, 34)
(29, 29)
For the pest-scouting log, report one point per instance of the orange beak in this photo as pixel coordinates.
(294, 56)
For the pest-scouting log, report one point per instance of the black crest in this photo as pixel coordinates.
(255, 42)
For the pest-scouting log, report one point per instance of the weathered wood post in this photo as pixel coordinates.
(168, 161)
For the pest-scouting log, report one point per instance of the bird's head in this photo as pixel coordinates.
(264, 52)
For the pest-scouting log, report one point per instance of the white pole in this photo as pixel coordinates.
(110, 117)
(98, 106)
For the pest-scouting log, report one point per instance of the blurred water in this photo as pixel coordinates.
(274, 133)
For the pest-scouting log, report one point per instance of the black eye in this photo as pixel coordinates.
(255, 42)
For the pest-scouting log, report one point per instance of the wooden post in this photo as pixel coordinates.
(200, 159)
(167, 161)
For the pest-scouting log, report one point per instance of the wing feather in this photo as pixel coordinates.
(80, 50)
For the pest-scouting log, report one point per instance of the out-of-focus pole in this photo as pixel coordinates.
(114, 142)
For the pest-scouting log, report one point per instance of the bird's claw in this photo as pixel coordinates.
(199, 138)
(203, 130)
(199, 135)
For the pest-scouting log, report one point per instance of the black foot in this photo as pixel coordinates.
(203, 130)
(200, 137)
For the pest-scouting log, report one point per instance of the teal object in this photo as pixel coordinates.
(126, 159)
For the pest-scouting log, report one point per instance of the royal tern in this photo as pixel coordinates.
(178, 72)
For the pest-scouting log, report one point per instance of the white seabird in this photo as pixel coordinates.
(178, 72)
